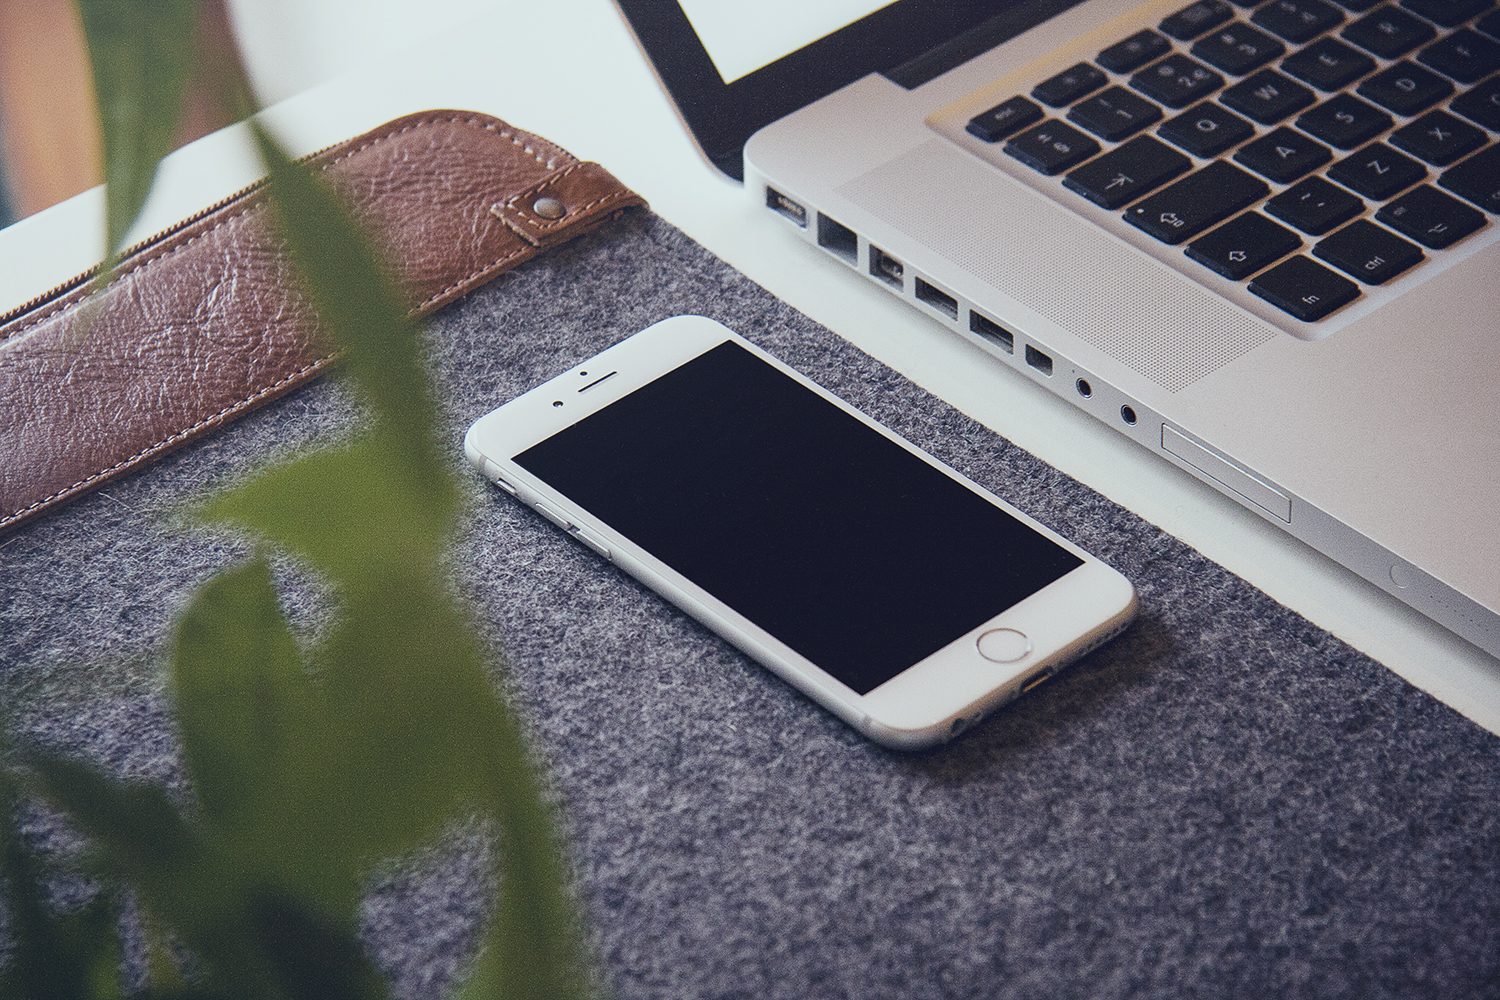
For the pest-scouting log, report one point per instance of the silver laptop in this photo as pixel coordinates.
(1258, 238)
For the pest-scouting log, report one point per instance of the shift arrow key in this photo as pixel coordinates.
(1240, 248)
(1196, 202)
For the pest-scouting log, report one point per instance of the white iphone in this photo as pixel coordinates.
(885, 586)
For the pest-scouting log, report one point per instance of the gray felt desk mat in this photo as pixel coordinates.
(1226, 801)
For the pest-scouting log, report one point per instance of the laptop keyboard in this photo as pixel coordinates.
(1260, 135)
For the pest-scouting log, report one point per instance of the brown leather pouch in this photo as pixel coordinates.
(203, 323)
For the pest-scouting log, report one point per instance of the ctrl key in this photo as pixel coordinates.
(1304, 288)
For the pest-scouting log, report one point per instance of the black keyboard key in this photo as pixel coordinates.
(1194, 19)
(1004, 119)
(1315, 206)
(1344, 121)
(1448, 13)
(1069, 85)
(1465, 55)
(1406, 89)
(1052, 147)
(1114, 114)
(1328, 64)
(1477, 179)
(1438, 138)
(1431, 218)
(1298, 20)
(1196, 202)
(1268, 97)
(1304, 288)
(1389, 32)
(1377, 171)
(1368, 252)
(1206, 130)
(1176, 81)
(1134, 52)
(1124, 174)
(1237, 48)
(1490, 25)
(1482, 104)
(1283, 155)
(1239, 248)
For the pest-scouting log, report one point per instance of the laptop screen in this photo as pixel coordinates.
(742, 38)
(733, 67)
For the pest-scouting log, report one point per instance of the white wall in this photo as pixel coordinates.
(291, 45)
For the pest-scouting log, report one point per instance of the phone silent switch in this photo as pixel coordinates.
(492, 471)
(1004, 645)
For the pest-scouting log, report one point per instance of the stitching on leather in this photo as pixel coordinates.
(499, 262)
(169, 439)
(551, 224)
(259, 393)
(243, 210)
(254, 203)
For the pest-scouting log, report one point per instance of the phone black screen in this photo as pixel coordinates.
(837, 541)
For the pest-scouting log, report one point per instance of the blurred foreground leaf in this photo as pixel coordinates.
(403, 730)
(53, 957)
(310, 767)
(141, 52)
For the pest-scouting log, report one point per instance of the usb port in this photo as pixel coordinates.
(993, 332)
(782, 205)
(885, 267)
(938, 299)
(837, 239)
(1041, 362)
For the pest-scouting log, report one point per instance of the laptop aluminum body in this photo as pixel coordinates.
(1373, 436)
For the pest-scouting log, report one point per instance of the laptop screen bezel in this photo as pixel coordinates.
(722, 116)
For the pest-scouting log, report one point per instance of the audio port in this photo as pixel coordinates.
(1084, 389)
(1127, 414)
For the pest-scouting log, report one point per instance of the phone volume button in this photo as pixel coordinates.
(553, 516)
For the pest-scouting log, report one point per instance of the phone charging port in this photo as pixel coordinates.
(1035, 682)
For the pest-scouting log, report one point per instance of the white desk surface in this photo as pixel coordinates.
(569, 70)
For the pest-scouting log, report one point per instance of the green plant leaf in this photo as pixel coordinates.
(356, 513)
(359, 304)
(311, 959)
(426, 730)
(137, 834)
(241, 694)
(141, 52)
(54, 957)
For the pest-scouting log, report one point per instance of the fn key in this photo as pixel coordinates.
(1304, 288)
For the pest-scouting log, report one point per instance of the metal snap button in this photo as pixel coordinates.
(549, 208)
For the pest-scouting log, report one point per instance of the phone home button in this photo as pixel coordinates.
(1003, 645)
